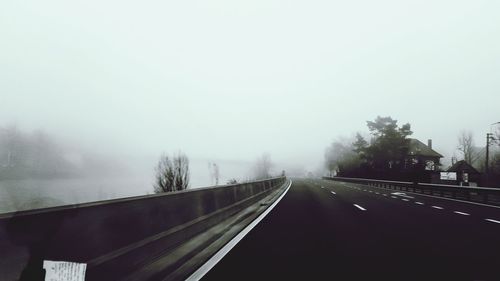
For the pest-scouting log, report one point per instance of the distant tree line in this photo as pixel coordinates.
(263, 166)
(172, 172)
(35, 155)
(39, 155)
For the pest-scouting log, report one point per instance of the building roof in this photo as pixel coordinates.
(463, 166)
(418, 148)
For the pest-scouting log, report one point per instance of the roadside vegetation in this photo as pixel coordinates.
(381, 153)
(172, 173)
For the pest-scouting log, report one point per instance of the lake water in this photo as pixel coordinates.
(29, 194)
(16, 195)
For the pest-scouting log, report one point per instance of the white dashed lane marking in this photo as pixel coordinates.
(416, 202)
(359, 207)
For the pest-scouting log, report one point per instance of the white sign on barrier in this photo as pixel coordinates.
(64, 271)
(449, 176)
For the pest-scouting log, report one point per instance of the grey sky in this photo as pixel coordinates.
(234, 79)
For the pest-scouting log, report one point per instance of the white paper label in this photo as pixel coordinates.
(64, 271)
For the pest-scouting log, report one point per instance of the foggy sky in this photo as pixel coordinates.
(234, 79)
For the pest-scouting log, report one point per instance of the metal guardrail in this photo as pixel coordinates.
(473, 194)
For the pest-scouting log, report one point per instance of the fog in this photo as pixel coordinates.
(227, 81)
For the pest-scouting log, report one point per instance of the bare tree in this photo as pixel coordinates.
(164, 181)
(466, 146)
(172, 174)
(263, 167)
(181, 163)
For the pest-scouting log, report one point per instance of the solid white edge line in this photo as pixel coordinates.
(492, 220)
(359, 207)
(461, 213)
(207, 266)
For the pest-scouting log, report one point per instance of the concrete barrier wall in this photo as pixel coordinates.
(86, 232)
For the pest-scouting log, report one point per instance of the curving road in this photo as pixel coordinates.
(325, 230)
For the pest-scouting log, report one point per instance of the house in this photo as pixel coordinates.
(421, 156)
(466, 174)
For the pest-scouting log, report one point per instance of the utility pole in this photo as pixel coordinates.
(488, 136)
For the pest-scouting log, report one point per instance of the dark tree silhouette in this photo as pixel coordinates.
(172, 174)
(389, 144)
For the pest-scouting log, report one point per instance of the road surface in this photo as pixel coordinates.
(325, 230)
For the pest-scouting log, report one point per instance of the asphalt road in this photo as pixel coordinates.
(325, 230)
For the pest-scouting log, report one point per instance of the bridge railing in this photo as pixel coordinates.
(108, 234)
(483, 195)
